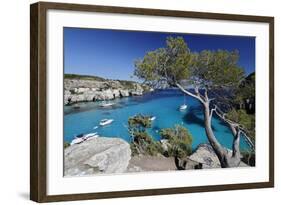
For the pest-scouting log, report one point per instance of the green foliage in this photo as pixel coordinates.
(142, 136)
(217, 69)
(175, 62)
(139, 122)
(246, 120)
(66, 144)
(249, 158)
(179, 139)
(169, 63)
(83, 77)
(246, 89)
(154, 149)
(142, 142)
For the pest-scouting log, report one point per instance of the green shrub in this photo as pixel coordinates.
(142, 142)
(139, 122)
(180, 141)
(246, 120)
(66, 144)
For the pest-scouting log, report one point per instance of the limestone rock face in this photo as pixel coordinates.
(97, 155)
(205, 154)
(116, 93)
(124, 93)
(83, 90)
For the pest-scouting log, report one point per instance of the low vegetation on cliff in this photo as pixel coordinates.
(175, 142)
(141, 142)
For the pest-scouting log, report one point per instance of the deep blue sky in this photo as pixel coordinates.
(111, 53)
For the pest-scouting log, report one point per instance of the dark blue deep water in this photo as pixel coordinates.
(164, 104)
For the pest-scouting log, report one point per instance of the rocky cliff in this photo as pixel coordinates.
(79, 88)
(97, 155)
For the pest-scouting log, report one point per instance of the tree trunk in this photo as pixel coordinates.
(219, 150)
(225, 159)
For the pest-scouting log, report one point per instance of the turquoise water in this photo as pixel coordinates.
(163, 104)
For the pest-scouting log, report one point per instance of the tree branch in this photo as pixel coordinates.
(233, 126)
(189, 93)
(249, 141)
(206, 94)
(213, 110)
(236, 143)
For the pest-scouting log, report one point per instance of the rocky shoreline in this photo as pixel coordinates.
(103, 155)
(90, 88)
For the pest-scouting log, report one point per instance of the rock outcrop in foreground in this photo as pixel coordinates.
(97, 155)
(205, 155)
(90, 88)
(207, 158)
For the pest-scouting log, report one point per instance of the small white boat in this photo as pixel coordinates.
(104, 122)
(183, 107)
(95, 136)
(105, 104)
(87, 136)
(96, 127)
(77, 140)
(153, 118)
(76, 106)
(90, 136)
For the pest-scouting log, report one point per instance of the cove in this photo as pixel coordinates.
(163, 104)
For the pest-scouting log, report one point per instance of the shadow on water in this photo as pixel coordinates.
(156, 128)
(222, 123)
(193, 116)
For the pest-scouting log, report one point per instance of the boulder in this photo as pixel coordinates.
(97, 155)
(207, 158)
(205, 155)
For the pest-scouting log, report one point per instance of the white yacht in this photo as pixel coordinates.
(106, 104)
(90, 135)
(77, 140)
(152, 118)
(104, 122)
(183, 106)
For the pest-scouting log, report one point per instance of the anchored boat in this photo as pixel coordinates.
(153, 118)
(104, 122)
(183, 106)
(106, 104)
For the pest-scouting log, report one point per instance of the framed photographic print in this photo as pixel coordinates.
(134, 102)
